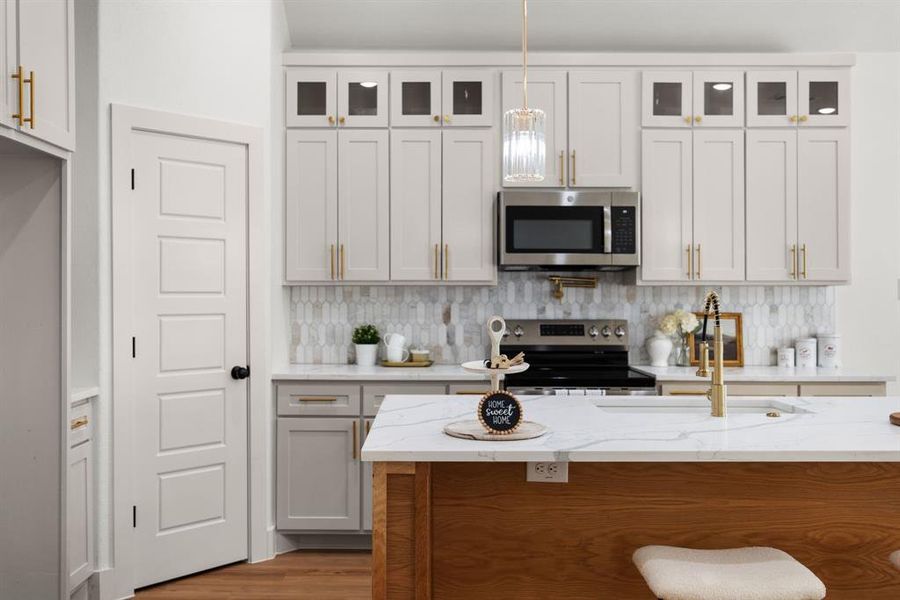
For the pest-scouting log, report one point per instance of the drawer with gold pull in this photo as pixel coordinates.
(81, 423)
(318, 399)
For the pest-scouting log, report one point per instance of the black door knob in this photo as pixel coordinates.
(240, 372)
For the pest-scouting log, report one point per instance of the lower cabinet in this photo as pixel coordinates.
(80, 499)
(778, 389)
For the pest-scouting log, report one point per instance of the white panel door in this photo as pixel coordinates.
(666, 205)
(311, 206)
(666, 99)
(9, 101)
(46, 48)
(467, 98)
(824, 98)
(771, 204)
(719, 204)
(319, 474)
(469, 187)
(823, 184)
(546, 91)
(718, 99)
(415, 204)
(603, 128)
(190, 316)
(310, 98)
(364, 205)
(772, 99)
(363, 98)
(416, 98)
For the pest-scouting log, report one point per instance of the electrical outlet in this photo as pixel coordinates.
(548, 472)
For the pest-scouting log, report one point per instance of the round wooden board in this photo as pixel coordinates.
(895, 419)
(473, 430)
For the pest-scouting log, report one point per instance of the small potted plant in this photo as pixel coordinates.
(366, 339)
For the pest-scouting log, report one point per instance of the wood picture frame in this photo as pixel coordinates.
(733, 338)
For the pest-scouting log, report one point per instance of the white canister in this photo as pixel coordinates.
(829, 350)
(806, 353)
(786, 357)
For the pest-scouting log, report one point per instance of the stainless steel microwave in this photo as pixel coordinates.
(567, 230)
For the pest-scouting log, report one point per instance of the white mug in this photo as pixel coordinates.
(394, 340)
(396, 354)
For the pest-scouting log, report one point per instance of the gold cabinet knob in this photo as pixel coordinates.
(331, 119)
(342, 120)
(687, 119)
(697, 119)
(803, 118)
(446, 118)
(793, 118)
(437, 118)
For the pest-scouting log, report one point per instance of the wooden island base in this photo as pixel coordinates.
(479, 531)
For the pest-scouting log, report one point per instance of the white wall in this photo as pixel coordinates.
(216, 59)
(868, 309)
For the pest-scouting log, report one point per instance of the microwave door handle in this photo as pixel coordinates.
(607, 229)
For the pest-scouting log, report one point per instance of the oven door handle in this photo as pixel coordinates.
(607, 229)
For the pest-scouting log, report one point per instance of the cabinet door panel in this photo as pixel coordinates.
(318, 474)
(546, 91)
(666, 205)
(772, 98)
(79, 514)
(771, 204)
(468, 200)
(468, 98)
(310, 98)
(363, 205)
(718, 99)
(416, 98)
(362, 98)
(46, 48)
(416, 205)
(367, 484)
(824, 98)
(823, 214)
(9, 101)
(666, 99)
(719, 205)
(602, 128)
(311, 205)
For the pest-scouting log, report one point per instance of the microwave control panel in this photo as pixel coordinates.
(624, 228)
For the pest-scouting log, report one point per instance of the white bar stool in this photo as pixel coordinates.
(735, 574)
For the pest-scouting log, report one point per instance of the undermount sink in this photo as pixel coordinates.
(699, 405)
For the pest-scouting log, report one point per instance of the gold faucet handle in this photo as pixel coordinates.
(703, 370)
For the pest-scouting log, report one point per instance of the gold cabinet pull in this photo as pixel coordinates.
(698, 262)
(803, 118)
(314, 398)
(342, 120)
(803, 252)
(793, 261)
(331, 119)
(437, 118)
(793, 118)
(697, 119)
(471, 392)
(343, 262)
(687, 119)
(21, 83)
(79, 422)
(573, 168)
(685, 393)
(332, 262)
(562, 166)
(30, 118)
(446, 261)
(446, 118)
(355, 440)
(437, 261)
(690, 255)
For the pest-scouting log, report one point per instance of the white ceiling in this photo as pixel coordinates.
(598, 25)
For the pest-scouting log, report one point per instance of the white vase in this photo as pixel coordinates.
(366, 354)
(659, 346)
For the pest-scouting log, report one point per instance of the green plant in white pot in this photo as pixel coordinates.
(366, 339)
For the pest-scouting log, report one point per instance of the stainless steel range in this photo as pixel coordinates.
(573, 358)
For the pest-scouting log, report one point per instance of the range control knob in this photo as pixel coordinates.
(605, 332)
(593, 331)
(518, 331)
(620, 331)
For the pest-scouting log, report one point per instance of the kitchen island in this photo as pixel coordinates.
(457, 519)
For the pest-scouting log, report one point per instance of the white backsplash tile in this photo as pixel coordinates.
(450, 321)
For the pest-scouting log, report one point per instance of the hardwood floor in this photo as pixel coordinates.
(301, 575)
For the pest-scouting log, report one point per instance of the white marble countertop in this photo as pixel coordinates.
(343, 372)
(645, 429)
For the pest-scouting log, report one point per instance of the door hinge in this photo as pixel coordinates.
(132, 179)
(134, 516)
(133, 347)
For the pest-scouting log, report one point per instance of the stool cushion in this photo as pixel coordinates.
(895, 558)
(734, 574)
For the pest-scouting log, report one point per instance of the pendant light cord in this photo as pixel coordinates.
(525, 53)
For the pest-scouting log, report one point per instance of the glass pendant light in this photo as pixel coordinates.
(524, 147)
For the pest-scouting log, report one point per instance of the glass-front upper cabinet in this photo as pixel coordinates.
(718, 99)
(310, 98)
(666, 99)
(416, 98)
(798, 98)
(362, 98)
(468, 98)
(824, 97)
(771, 98)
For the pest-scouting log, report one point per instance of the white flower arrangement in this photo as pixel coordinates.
(680, 322)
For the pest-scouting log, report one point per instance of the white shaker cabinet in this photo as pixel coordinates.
(546, 91)
(311, 207)
(9, 102)
(331, 98)
(363, 206)
(362, 98)
(416, 98)
(416, 205)
(603, 128)
(79, 517)
(693, 99)
(467, 97)
(469, 179)
(805, 98)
